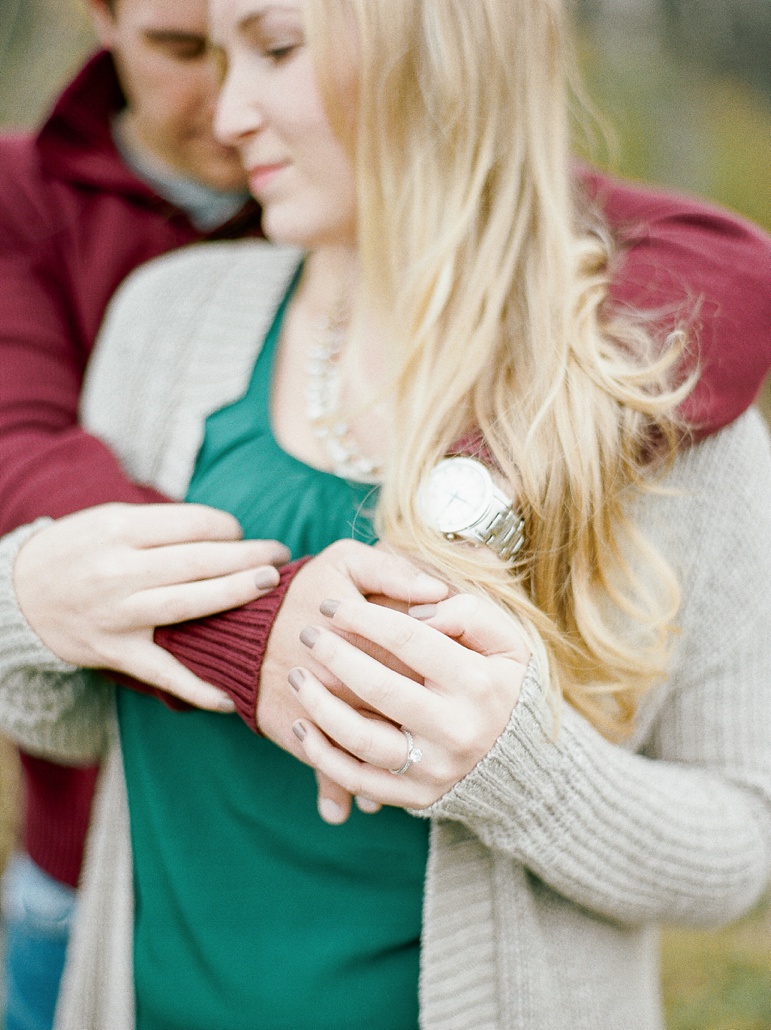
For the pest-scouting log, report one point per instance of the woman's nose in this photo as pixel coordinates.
(234, 116)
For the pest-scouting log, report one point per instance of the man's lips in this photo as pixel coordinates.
(261, 175)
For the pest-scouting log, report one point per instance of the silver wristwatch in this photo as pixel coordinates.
(460, 499)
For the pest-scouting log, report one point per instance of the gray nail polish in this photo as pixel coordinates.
(331, 812)
(422, 611)
(329, 607)
(299, 730)
(265, 578)
(309, 636)
(296, 678)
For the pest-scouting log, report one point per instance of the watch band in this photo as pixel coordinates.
(505, 535)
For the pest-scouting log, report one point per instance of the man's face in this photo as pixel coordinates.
(170, 83)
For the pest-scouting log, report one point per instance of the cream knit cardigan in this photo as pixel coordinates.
(552, 862)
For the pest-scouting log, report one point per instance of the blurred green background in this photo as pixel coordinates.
(682, 89)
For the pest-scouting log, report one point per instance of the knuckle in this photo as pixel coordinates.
(335, 548)
(176, 610)
(403, 635)
(363, 743)
(110, 510)
(327, 648)
(114, 657)
(161, 679)
(100, 527)
(208, 561)
(476, 683)
(384, 688)
(108, 568)
(343, 550)
(461, 739)
(466, 606)
(337, 551)
(353, 782)
(212, 523)
(441, 773)
(428, 795)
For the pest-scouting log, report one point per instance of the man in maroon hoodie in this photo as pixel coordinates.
(125, 169)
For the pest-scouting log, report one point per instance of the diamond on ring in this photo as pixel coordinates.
(414, 754)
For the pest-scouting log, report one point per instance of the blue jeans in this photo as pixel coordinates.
(37, 913)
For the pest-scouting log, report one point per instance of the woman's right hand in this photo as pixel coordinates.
(94, 586)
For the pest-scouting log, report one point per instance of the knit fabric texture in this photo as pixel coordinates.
(553, 861)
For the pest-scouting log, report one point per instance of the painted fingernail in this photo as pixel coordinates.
(283, 555)
(422, 611)
(367, 806)
(299, 730)
(424, 580)
(266, 577)
(331, 812)
(309, 636)
(226, 705)
(329, 607)
(296, 678)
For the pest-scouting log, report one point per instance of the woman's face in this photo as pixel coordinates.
(270, 110)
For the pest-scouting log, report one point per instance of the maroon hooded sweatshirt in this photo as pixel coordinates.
(74, 221)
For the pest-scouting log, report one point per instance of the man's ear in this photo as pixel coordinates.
(103, 20)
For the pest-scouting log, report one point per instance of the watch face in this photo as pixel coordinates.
(456, 495)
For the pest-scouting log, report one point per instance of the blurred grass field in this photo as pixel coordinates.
(721, 979)
(9, 795)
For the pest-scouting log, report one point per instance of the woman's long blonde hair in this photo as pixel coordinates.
(474, 244)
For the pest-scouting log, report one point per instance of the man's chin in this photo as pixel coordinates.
(217, 167)
(224, 179)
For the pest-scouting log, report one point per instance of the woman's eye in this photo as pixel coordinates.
(277, 54)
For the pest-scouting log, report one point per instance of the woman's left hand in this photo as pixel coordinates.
(470, 658)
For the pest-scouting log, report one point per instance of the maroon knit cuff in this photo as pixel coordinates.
(227, 650)
(473, 445)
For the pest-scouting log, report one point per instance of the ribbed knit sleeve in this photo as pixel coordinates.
(677, 825)
(47, 706)
(228, 650)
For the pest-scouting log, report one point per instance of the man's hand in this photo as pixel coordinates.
(345, 570)
(94, 586)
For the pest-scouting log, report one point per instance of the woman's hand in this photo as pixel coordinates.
(94, 586)
(350, 570)
(471, 658)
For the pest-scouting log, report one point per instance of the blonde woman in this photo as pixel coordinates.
(571, 740)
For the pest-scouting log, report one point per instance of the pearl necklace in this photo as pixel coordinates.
(322, 404)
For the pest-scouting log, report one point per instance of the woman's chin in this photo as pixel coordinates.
(304, 232)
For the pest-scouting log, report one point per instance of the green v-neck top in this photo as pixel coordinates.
(250, 912)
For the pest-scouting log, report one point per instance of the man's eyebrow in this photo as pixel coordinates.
(173, 36)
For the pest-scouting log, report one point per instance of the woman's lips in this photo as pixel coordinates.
(261, 175)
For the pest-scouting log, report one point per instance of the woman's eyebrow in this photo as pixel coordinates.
(254, 18)
(251, 21)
